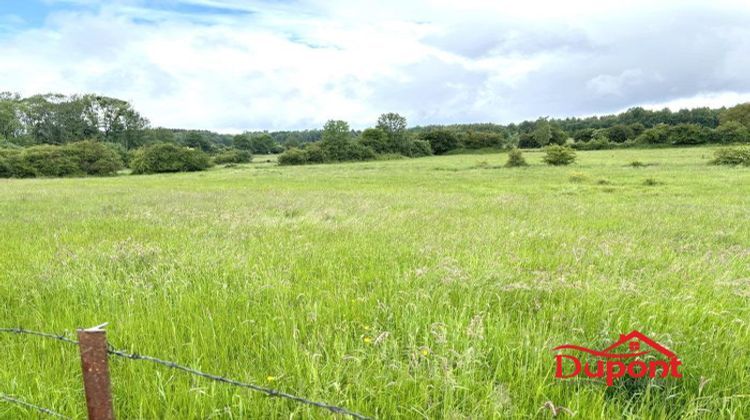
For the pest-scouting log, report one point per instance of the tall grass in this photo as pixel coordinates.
(428, 288)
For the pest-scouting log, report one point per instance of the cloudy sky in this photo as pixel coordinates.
(232, 65)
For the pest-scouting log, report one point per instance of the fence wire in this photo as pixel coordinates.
(134, 356)
(14, 400)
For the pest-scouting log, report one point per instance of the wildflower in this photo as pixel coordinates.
(367, 340)
(270, 378)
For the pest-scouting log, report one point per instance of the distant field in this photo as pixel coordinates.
(425, 288)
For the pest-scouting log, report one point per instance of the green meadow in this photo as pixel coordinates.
(416, 288)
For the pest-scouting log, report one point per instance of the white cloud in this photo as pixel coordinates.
(294, 65)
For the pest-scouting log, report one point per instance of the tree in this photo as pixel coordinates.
(10, 124)
(732, 132)
(394, 126)
(59, 119)
(115, 120)
(336, 138)
(158, 135)
(441, 140)
(542, 132)
(584, 135)
(376, 139)
(262, 144)
(619, 133)
(527, 141)
(688, 134)
(242, 142)
(658, 134)
(196, 140)
(739, 113)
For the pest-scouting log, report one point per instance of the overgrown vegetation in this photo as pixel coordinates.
(167, 157)
(339, 144)
(232, 156)
(59, 119)
(732, 156)
(398, 289)
(73, 159)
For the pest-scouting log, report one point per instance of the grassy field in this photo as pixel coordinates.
(426, 288)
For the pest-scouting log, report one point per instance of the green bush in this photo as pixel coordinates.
(559, 155)
(481, 140)
(416, 148)
(732, 156)
(73, 159)
(346, 151)
(120, 151)
(293, 156)
(685, 134)
(167, 157)
(96, 158)
(51, 161)
(315, 153)
(515, 159)
(659, 134)
(376, 139)
(233, 156)
(441, 140)
(732, 132)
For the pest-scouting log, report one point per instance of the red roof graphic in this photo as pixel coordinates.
(624, 338)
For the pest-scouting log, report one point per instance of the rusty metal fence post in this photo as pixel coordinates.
(93, 349)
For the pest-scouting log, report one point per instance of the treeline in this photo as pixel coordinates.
(636, 126)
(54, 119)
(339, 143)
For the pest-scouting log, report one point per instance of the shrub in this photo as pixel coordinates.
(293, 156)
(51, 161)
(688, 134)
(96, 158)
(732, 132)
(233, 156)
(73, 159)
(375, 138)
(416, 148)
(658, 134)
(315, 153)
(481, 139)
(559, 155)
(515, 159)
(167, 157)
(120, 151)
(346, 151)
(732, 156)
(441, 140)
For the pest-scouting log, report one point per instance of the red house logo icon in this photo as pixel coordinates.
(613, 366)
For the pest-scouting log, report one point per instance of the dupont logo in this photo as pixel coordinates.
(615, 362)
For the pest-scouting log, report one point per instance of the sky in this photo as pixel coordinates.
(234, 65)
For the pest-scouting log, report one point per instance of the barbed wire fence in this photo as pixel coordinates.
(91, 398)
(18, 401)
